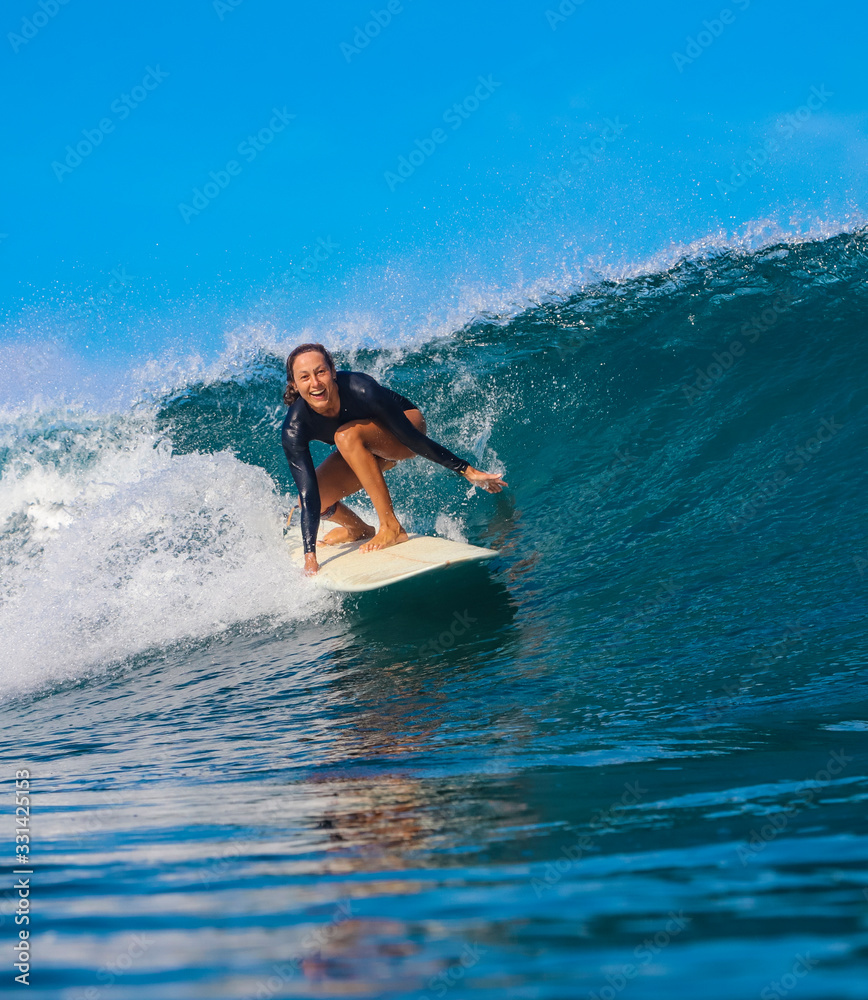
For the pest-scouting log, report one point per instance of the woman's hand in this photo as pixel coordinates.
(311, 566)
(488, 481)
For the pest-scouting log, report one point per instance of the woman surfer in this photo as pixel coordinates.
(373, 428)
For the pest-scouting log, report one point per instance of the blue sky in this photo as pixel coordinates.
(674, 150)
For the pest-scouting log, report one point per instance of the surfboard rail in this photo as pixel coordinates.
(345, 569)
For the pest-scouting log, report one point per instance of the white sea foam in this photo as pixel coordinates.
(111, 545)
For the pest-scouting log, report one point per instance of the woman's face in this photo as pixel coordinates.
(314, 381)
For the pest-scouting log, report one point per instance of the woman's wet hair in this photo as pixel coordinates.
(290, 395)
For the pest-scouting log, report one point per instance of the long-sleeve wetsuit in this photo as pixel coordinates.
(362, 398)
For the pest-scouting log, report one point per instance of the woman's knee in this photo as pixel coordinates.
(347, 436)
(417, 420)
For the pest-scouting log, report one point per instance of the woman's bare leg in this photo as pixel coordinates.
(363, 443)
(351, 527)
(338, 479)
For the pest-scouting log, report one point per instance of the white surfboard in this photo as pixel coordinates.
(344, 568)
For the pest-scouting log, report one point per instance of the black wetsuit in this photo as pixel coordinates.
(362, 398)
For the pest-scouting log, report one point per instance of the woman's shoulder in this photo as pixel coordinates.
(293, 430)
(357, 382)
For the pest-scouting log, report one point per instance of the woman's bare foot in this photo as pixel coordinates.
(385, 537)
(342, 535)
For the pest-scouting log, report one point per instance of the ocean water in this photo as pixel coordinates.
(626, 759)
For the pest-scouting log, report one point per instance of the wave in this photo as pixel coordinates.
(685, 409)
(112, 544)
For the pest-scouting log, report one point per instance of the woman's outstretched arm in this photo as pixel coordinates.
(386, 411)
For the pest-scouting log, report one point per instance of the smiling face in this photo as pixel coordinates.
(315, 383)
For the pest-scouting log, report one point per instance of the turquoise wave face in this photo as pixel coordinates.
(656, 433)
(628, 755)
(678, 394)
